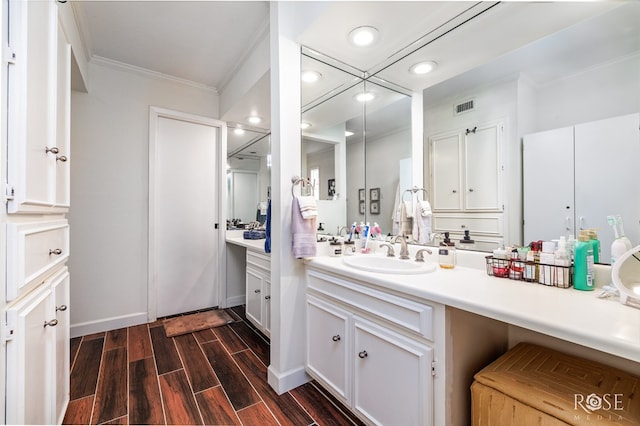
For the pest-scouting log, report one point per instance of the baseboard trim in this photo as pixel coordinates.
(106, 324)
(284, 382)
(236, 301)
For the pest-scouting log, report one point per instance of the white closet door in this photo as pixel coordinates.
(605, 149)
(186, 211)
(547, 172)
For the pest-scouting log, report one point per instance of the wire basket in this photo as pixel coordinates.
(520, 270)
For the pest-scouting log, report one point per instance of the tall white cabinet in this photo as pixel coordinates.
(36, 84)
(577, 186)
(466, 168)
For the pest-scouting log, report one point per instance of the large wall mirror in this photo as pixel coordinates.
(585, 71)
(248, 175)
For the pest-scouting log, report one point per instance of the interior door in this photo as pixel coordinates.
(185, 214)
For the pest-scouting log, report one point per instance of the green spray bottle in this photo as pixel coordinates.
(583, 263)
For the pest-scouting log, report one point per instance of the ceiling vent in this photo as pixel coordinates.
(463, 107)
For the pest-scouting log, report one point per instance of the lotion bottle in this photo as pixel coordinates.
(593, 237)
(583, 261)
(621, 244)
(447, 253)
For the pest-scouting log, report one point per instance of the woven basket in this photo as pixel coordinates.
(532, 385)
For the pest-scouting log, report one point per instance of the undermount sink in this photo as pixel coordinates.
(388, 265)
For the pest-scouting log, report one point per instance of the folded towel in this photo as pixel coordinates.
(267, 241)
(308, 206)
(422, 221)
(405, 220)
(303, 232)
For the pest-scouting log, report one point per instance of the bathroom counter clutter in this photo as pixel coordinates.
(576, 316)
(235, 237)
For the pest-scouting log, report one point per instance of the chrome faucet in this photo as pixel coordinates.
(390, 250)
(404, 248)
(340, 229)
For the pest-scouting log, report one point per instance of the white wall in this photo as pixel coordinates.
(109, 191)
(594, 94)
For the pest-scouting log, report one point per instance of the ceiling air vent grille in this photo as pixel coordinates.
(463, 107)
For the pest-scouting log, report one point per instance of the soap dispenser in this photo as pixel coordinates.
(447, 253)
(466, 242)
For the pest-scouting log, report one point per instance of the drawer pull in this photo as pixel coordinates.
(61, 308)
(267, 298)
(53, 150)
(363, 354)
(57, 252)
(61, 158)
(336, 338)
(51, 323)
(256, 290)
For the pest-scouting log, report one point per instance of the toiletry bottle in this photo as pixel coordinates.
(516, 266)
(621, 244)
(563, 263)
(466, 242)
(593, 237)
(365, 238)
(501, 262)
(583, 261)
(546, 268)
(447, 253)
(335, 248)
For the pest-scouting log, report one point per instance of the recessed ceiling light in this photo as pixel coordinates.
(347, 133)
(305, 125)
(238, 131)
(363, 36)
(310, 76)
(254, 119)
(365, 96)
(423, 67)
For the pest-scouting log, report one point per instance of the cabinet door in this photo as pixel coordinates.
(483, 166)
(32, 107)
(547, 171)
(30, 359)
(328, 346)
(266, 312)
(445, 157)
(60, 288)
(254, 296)
(63, 122)
(393, 384)
(602, 149)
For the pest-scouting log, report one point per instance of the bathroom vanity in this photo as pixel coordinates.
(402, 349)
(249, 279)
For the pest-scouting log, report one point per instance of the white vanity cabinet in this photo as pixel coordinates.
(372, 350)
(258, 285)
(577, 187)
(37, 348)
(465, 181)
(38, 108)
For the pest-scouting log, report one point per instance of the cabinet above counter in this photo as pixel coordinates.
(570, 315)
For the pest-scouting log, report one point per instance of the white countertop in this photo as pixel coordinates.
(235, 237)
(572, 315)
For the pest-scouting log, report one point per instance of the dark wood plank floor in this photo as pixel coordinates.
(217, 376)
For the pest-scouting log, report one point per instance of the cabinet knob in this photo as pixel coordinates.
(470, 189)
(363, 354)
(61, 158)
(463, 226)
(51, 323)
(61, 308)
(267, 298)
(336, 338)
(256, 291)
(455, 191)
(57, 252)
(53, 150)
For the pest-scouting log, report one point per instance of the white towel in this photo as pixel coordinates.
(405, 220)
(303, 232)
(308, 206)
(396, 215)
(422, 221)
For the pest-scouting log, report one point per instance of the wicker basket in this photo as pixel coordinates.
(532, 385)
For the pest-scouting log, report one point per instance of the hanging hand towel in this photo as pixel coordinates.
(267, 241)
(405, 220)
(303, 232)
(308, 207)
(422, 221)
(396, 216)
